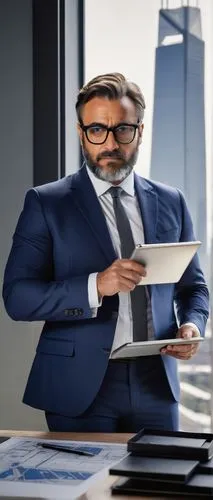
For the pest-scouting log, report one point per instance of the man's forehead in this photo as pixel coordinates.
(102, 107)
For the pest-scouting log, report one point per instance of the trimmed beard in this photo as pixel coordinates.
(113, 174)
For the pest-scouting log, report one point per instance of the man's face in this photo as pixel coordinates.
(110, 161)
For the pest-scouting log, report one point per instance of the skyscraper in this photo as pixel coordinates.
(178, 141)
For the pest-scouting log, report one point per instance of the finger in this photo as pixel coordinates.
(183, 356)
(126, 285)
(180, 348)
(132, 265)
(132, 276)
(117, 270)
(180, 354)
(185, 349)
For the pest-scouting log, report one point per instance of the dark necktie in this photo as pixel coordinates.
(138, 295)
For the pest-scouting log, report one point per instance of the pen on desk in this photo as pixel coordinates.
(67, 449)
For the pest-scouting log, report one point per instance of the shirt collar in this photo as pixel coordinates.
(101, 186)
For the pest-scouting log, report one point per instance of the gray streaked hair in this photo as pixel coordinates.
(112, 86)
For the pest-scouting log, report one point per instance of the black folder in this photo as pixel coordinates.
(154, 468)
(175, 444)
(206, 467)
(199, 486)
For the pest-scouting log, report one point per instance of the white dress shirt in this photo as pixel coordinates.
(124, 327)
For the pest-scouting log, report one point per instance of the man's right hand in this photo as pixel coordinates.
(122, 276)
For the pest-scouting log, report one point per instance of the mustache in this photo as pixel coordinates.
(111, 154)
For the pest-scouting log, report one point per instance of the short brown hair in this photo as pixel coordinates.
(112, 86)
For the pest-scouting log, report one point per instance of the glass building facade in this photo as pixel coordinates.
(178, 140)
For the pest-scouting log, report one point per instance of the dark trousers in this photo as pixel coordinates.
(133, 395)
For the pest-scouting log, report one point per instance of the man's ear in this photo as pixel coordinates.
(140, 132)
(80, 132)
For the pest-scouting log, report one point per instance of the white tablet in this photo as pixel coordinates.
(164, 262)
(149, 347)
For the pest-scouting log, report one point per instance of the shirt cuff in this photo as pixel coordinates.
(94, 301)
(195, 328)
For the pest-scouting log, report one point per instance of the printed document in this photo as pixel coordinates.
(28, 470)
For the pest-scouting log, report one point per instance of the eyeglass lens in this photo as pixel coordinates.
(123, 134)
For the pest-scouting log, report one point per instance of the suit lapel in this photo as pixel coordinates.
(148, 204)
(88, 204)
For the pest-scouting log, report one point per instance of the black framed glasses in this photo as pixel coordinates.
(97, 133)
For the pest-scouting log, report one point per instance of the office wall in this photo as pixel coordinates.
(17, 340)
(37, 91)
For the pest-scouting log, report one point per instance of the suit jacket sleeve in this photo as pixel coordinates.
(191, 293)
(30, 291)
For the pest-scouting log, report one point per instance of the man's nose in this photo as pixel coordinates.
(111, 142)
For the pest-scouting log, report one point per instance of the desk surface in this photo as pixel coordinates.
(100, 491)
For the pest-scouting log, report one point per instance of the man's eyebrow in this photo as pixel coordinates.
(99, 124)
(125, 123)
(96, 124)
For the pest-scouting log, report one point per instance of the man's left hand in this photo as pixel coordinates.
(185, 351)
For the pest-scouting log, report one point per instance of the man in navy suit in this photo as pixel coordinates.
(67, 269)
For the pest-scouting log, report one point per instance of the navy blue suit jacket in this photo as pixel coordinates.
(62, 237)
